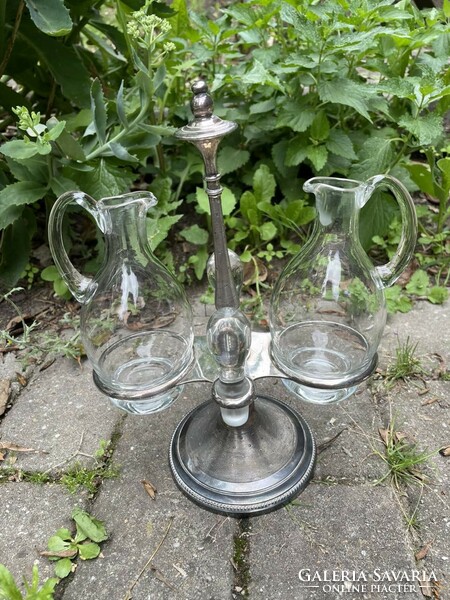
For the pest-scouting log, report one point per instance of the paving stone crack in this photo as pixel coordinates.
(241, 558)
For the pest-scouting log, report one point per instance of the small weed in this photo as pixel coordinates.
(104, 450)
(89, 479)
(406, 364)
(64, 549)
(27, 329)
(402, 458)
(444, 375)
(6, 474)
(38, 478)
(10, 591)
(53, 343)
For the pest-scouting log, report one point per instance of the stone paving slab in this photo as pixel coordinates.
(193, 561)
(421, 410)
(57, 407)
(332, 528)
(428, 426)
(30, 515)
(427, 325)
(354, 421)
(341, 521)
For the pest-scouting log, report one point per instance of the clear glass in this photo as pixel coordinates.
(328, 308)
(136, 322)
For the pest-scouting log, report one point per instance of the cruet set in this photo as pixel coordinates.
(239, 452)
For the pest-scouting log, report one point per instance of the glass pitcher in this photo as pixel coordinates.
(136, 322)
(328, 308)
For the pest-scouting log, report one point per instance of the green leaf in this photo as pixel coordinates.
(446, 8)
(340, 144)
(437, 294)
(98, 107)
(120, 107)
(19, 149)
(180, 21)
(55, 129)
(375, 157)
(320, 127)
(347, 92)
(228, 201)
(103, 181)
(121, 152)
(63, 567)
(300, 213)
(296, 116)
(264, 106)
(195, 235)
(60, 288)
(62, 61)
(264, 184)
(296, 151)
(428, 129)
(202, 201)
(267, 231)
(89, 551)
(56, 543)
(444, 166)
(248, 207)
(375, 218)
(63, 533)
(158, 229)
(50, 16)
(422, 177)
(201, 259)
(259, 75)
(89, 526)
(418, 283)
(60, 185)
(396, 301)
(8, 588)
(230, 159)
(16, 247)
(14, 195)
(318, 156)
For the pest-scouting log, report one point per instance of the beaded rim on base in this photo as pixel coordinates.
(221, 500)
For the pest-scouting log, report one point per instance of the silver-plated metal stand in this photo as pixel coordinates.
(240, 452)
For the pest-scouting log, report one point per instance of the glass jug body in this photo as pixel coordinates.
(328, 308)
(136, 322)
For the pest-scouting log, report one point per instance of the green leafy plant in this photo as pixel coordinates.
(60, 288)
(64, 549)
(419, 285)
(10, 591)
(349, 88)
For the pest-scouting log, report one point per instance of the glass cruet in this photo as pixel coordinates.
(328, 308)
(136, 322)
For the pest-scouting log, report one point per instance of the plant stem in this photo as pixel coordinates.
(121, 133)
(12, 37)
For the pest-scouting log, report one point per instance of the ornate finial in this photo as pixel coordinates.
(205, 125)
(201, 104)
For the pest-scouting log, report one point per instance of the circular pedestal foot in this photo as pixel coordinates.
(250, 469)
(317, 396)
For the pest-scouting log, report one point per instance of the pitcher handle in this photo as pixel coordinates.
(80, 286)
(392, 270)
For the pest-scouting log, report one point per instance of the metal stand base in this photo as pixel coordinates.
(243, 470)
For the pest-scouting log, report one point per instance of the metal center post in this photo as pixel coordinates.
(239, 452)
